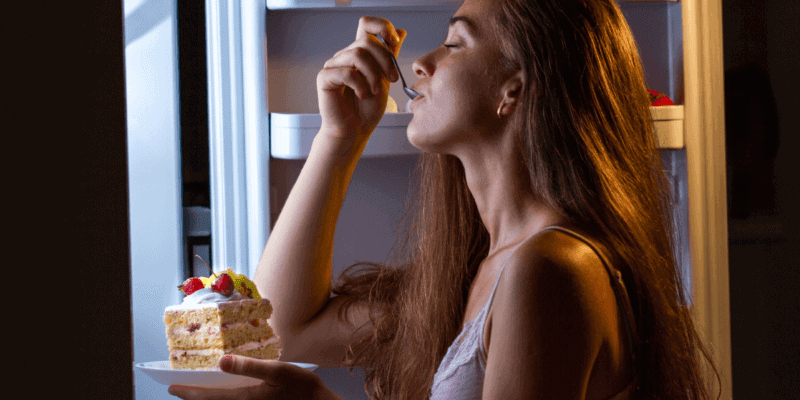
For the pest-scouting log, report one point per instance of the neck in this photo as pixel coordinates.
(508, 207)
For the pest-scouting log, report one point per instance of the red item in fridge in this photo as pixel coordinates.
(659, 99)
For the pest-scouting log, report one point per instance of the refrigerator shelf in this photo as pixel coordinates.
(668, 123)
(416, 4)
(292, 134)
(308, 4)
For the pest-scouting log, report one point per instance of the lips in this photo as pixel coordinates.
(416, 87)
(411, 103)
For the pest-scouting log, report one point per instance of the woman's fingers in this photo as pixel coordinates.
(351, 89)
(368, 25)
(265, 370)
(272, 372)
(366, 62)
(335, 78)
(368, 55)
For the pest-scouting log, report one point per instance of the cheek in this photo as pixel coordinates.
(455, 112)
(437, 126)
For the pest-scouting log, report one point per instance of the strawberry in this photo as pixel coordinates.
(191, 285)
(223, 285)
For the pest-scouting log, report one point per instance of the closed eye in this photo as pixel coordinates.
(449, 46)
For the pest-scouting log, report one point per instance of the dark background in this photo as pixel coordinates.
(68, 207)
(762, 54)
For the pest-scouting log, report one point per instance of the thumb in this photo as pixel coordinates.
(266, 370)
(243, 366)
(226, 363)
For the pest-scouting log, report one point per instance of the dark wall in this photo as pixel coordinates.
(66, 216)
(762, 85)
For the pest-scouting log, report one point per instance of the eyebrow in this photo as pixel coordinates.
(469, 24)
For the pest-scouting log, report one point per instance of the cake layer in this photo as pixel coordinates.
(227, 335)
(218, 313)
(207, 359)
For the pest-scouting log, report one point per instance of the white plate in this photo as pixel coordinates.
(162, 373)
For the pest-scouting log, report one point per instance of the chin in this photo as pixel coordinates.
(426, 141)
(417, 136)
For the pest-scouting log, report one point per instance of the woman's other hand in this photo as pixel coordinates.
(353, 85)
(280, 381)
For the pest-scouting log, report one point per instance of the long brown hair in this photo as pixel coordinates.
(587, 140)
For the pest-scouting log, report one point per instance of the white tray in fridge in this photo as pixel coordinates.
(668, 123)
(292, 134)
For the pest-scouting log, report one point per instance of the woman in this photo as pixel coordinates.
(539, 181)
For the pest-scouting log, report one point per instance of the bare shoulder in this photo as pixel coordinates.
(558, 261)
(548, 306)
(560, 278)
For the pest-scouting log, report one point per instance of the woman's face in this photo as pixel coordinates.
(460, 86)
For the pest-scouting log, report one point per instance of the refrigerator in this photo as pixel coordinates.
(262, 60)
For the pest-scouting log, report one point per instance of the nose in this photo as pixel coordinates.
(424, 66)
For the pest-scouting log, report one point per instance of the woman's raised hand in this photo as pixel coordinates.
(280, 381)
(353, 86)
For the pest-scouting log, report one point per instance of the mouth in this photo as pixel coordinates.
(416, 89)
(412, 102)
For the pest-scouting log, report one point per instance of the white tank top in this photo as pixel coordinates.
(461, 373)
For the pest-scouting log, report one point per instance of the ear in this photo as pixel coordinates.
(510, 92)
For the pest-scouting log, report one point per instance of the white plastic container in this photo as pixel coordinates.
(668, 122)
(292, 135)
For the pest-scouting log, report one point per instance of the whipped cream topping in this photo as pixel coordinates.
(208, 296)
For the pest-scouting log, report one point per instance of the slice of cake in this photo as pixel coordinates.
(220, 316)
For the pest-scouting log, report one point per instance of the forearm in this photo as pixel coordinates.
(294, 272)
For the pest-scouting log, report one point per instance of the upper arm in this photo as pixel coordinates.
(546, 324)
(325, 338)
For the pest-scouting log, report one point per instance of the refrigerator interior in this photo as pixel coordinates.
(299, 41)
(296, 53)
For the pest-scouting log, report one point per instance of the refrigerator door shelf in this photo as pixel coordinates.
(292, 135)
(668, 123)
(350, 4)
